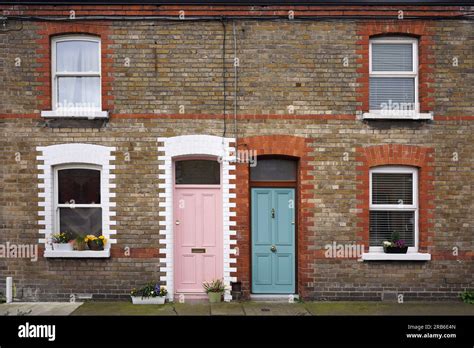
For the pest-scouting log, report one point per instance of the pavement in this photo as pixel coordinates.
(249, 308)
(39, 308)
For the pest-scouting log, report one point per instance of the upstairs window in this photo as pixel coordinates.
(76, 74)
(393, 205)
(393, 66)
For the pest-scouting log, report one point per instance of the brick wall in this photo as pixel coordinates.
(281, 64)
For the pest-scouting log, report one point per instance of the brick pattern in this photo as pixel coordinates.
(405, 155)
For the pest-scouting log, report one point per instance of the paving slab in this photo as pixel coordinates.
(192, 308)
(123, 308)
(379, 308)
(39, 308)
(223, 308)
(269, 308)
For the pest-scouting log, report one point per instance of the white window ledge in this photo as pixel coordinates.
(78, 254)
(396, 116)
(381, 256)
(90, 114)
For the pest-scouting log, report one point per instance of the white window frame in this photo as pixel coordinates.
(75, 112)
(57, 205)
(397, 114)
(397, 207)
(67, 156)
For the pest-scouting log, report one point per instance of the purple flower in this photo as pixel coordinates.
(400, 243)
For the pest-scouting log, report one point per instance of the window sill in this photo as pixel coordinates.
(75, 114)
(397, 116)
(76, 254)
(381, 256)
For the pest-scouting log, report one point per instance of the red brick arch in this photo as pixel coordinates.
(394, 154)
(284, 145)
(43, 53)
(401, 27)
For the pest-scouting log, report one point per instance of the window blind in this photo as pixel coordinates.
(392, 188)
(392, 57)
(384, 223)
(392, 93)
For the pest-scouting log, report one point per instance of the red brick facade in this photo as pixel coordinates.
(405, 155)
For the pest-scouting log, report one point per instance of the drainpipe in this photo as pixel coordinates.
(9, 290)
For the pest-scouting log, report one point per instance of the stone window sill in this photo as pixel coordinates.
(381, 256)
(89, 114)
(76, 254)
(397, 116)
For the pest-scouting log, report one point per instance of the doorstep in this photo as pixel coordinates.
(273, 297)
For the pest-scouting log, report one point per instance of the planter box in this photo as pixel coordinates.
(214, 297)
(148, 300)
(62, 246)
(395, 250)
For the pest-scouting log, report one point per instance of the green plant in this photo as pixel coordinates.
(150, 290)
(216, 285)
(79, 243)
(2, 298)
(468, 296)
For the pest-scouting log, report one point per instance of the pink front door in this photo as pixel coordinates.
(198, 237)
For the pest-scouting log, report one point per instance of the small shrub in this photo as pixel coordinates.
(468, 297)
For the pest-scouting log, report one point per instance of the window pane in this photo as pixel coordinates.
(78, 92)
(82, 186)
(392, 57)
(392, 188)
(80, 221)
(392, 93)
(384, 223)
(77, 56)
(274, 170)
(193, 172)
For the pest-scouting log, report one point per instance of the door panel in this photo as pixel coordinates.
(198, 238)
(273, 217)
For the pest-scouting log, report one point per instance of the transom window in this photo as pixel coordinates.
(274, 169)
(393, 205)
(76, 73)
(197, 172)
(394, 76)
(78, 200)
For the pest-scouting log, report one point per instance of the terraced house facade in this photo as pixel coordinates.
(272, 145)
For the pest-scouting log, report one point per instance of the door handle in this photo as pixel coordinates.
(273, 248)
(273, 213)
(177, 222)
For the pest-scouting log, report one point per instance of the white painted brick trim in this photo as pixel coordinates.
(187, 145)
(76, 153)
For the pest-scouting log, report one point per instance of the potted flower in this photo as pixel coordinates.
(94, 242)
(79, 243)
(61, 242)
(214, 290)
(149, 294)
(396, 246)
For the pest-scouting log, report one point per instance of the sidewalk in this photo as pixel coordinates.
(239, 308)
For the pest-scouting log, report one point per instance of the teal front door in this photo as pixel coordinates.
(273, 241)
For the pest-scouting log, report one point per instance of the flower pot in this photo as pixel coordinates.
(395, 250)
(62, 246)
(214, 297)
(94, 246)
(148, 300)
